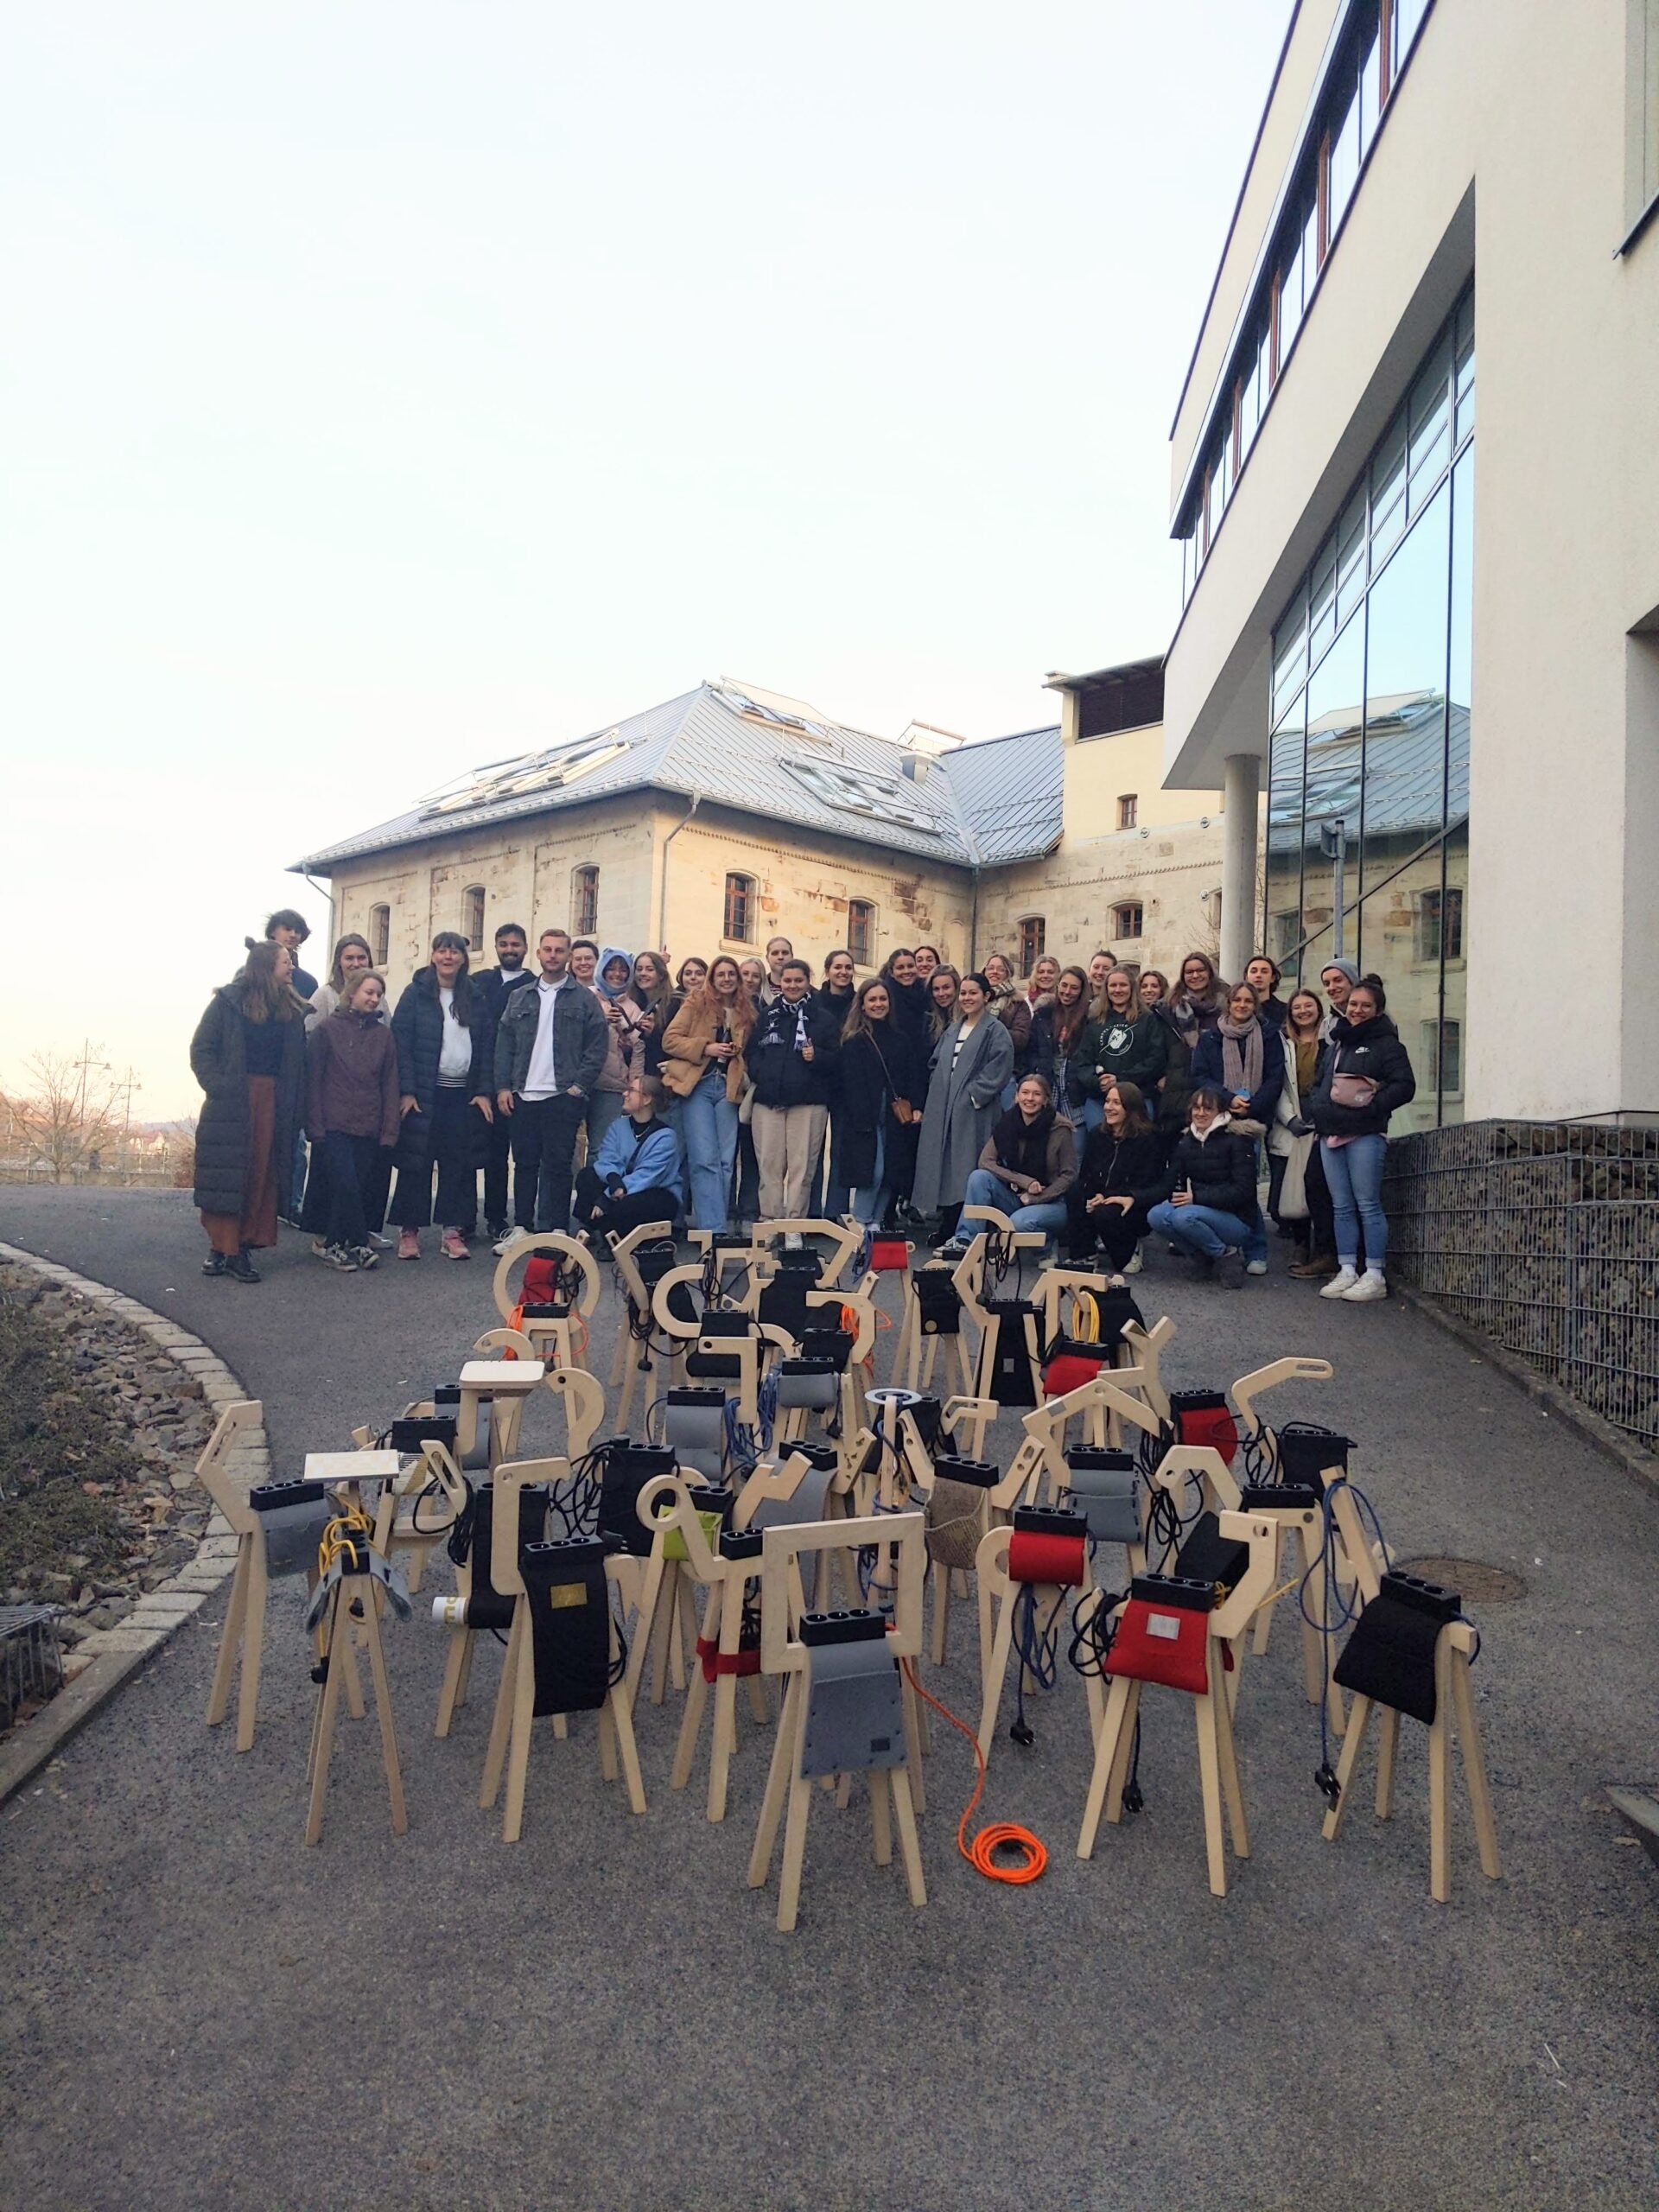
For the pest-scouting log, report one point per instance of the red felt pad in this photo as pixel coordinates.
(1033, 1557)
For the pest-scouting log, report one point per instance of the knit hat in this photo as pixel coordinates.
(1349, 968)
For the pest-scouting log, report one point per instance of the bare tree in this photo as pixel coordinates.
(69, 1115)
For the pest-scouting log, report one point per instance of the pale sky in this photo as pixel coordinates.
(389, 390)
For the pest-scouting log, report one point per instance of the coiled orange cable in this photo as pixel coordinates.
(999, 1835)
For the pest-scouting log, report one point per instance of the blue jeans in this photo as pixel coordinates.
(708, 1126)
(985, 1189)
(1353, 1175)
(869, 1202)
(1206, 1231)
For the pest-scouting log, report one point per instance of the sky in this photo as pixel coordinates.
(393, 389)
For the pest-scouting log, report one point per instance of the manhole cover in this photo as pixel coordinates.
(1472, 1578)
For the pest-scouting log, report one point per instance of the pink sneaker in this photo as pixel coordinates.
(409, 1244)
(454, 1245)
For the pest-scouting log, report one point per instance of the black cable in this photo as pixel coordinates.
(1037, 1653)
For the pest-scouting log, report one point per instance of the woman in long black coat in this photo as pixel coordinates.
(883, 1074)
(445, 1076)
(248, 1054)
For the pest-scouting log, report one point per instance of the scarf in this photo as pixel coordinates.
(1188, 1013)
(1241, 1062)
(1022, 1145)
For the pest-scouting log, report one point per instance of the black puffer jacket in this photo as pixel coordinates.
(1221, 1169)
(1371, 1048)
(783, 1076)
(1067, 1069)
(219, 1065)
(417, 1032)
(1123, 1167)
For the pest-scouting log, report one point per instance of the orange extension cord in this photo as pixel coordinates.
(999, 1835)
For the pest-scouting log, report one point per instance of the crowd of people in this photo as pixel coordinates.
(598, 1089)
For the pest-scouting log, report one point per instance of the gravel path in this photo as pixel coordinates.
(200, 2012)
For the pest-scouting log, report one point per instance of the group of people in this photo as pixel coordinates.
(1101, 1103)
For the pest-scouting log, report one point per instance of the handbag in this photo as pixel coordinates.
(1164, 1634)
(1352, 1091)
(1292, 1190)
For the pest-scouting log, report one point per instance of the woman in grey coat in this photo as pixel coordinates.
(972, 1061)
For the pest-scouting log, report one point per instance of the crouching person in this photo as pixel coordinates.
(1211, 1213)
(635, 1175)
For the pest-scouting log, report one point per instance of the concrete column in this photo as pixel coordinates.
(1241, 793)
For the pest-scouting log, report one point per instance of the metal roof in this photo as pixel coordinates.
(776, 758)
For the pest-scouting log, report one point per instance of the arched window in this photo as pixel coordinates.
(738, 922)
(860, 933)
(1032, 932)
(584, 902)
(472, 917)
(379, 934)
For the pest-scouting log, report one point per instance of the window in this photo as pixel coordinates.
(1032, 935)
(860, 933)
(739, 909)
(472, 917)
(1371, 728)
(1127, 919)
(1441, 1055)
(379, 934)
(1642, 157)
(584, 902)
(1347, 112)
(1128, 810)
(1440, 925)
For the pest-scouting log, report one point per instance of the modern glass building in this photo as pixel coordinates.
(1367, 826)
(1427, 684)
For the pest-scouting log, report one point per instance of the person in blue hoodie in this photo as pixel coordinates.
(635, 1174)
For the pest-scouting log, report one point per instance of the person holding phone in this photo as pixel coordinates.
(1210, 1211)
(703, 1067)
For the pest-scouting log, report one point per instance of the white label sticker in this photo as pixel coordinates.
(1168, 1625)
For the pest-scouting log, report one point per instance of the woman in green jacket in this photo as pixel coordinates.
(1125, 1042)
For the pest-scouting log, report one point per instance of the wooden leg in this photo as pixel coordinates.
(1474, 1765)
(503, 1717)
(915, 1739)
(388, 1724)
(1115, 1730)
(628, 1752)
(1387, 1743)
(685, 1749)
(679, 1593)
(788, 1879)
(760, 1711)
(1210, 1784)
(777, 1776)
(880, 1815)
(466, 1681)
(253, 1643)
(910, 1848)
(662, 1631)
(1232, 1794)
(450, 1692)
(724, 1745)
(941, 1611)
(325, 1744)
(521, 1727)
(644, 1621)
(219, 1698)
(1440, 1778)
(992, 1695)
(606, 1745)
(1359, 1719)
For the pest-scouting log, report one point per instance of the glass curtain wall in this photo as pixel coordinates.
(1368, 772)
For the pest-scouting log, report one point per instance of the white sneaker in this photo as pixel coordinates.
(1131, 1265)
(1255, 1267)
(512, 1238)
(1372, 1284)
(1340, 1283)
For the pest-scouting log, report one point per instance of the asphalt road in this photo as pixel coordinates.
(197, 2011)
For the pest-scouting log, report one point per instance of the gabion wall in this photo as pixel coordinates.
(1545, 1236)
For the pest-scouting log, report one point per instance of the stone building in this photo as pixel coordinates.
(731, 814)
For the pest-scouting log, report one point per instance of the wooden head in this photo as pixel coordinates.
(904, 1535)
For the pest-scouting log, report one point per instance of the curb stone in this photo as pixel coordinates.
(104, 1659)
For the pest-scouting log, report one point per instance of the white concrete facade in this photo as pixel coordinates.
(1505, 155)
